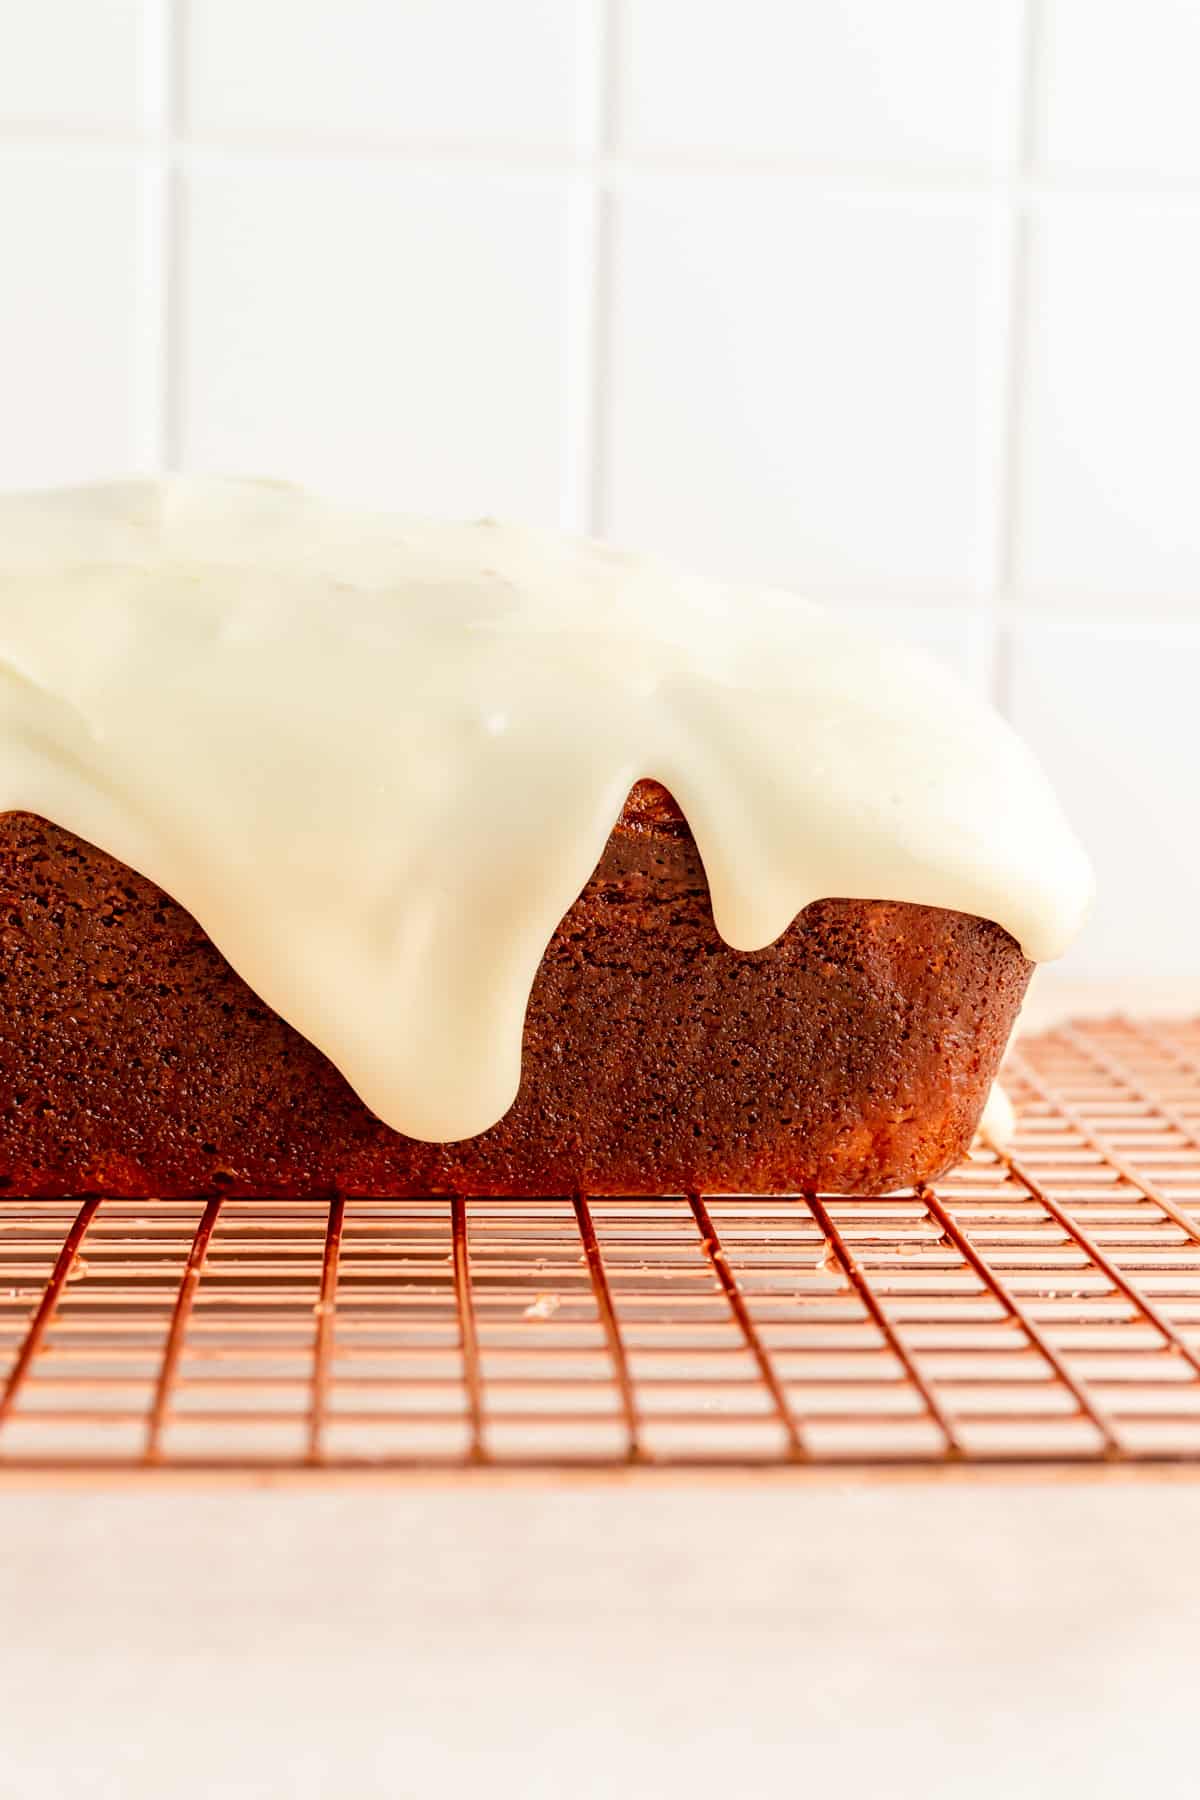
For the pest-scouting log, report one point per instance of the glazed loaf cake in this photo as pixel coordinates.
(853, 1054)
(332, 863)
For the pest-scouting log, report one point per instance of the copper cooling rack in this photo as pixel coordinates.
(1040, 1305)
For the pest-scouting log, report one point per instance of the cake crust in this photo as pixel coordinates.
(852, 1055)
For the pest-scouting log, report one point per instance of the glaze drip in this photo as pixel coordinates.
(378, 758)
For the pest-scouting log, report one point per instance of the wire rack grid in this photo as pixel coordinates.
(1040, 1305)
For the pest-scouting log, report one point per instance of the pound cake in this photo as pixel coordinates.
(350, 854)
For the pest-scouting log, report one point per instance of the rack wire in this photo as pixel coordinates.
(1040, 1305)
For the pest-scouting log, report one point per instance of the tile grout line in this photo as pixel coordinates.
(172, 242)
(152, 319)
(997, 220)
(1014, 352)
(608, 168)
(582, 287)
(606, 40)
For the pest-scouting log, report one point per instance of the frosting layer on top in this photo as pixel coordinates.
(378, 757)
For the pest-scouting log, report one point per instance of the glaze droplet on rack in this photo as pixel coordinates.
(378, 758)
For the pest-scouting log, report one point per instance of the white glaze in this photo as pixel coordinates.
(998, 1126)
(378, 758)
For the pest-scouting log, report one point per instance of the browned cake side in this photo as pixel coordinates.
(854, 1054)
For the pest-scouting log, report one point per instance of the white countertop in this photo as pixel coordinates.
(638, 1636)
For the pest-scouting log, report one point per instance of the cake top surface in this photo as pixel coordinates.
(379, 757)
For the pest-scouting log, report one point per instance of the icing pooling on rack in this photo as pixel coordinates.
(378, 758)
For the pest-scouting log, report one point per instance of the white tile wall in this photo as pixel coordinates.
(377, 332)
(1117, 93)
(868, 83)
(893, 302)
(74, 64)
(1110, 475)
(771, 351)
(70, 310)
(431, 71)
(1112, 709)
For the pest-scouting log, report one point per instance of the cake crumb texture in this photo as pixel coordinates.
(852, 1055)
